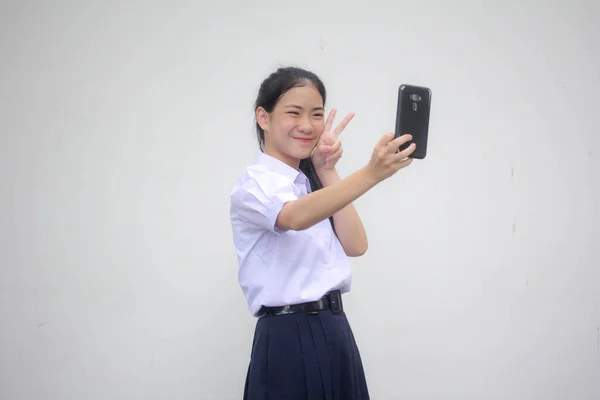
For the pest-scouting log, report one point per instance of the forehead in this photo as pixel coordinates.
(306, 96)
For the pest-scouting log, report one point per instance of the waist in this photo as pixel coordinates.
(279, 286)
(330, 301)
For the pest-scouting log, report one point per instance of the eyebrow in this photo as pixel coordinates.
(300, 108)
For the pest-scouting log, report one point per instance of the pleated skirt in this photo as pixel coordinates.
(308, 357)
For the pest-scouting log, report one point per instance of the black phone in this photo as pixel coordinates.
(412, 117)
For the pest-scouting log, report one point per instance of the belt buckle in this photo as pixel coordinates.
(335, 302)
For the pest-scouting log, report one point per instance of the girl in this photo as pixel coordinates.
(294, 226)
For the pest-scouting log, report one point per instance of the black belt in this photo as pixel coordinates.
(331, 301)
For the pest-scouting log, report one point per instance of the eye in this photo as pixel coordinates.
(293, 112)
(319, 115)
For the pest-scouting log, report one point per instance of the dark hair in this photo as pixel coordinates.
(269, 93)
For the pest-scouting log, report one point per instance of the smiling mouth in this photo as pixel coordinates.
(305, 140)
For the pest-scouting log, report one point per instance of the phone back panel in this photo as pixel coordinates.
(412, 117)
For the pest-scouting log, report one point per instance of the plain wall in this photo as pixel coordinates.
(125, 124)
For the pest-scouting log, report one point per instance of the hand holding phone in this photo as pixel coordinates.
(412, 117)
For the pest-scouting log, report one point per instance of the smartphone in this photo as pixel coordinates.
(412, 117)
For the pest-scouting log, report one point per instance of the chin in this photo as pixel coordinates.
(302, 154)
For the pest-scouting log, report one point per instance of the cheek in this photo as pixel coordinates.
(318, 126)
(288, 126)
(281, 127)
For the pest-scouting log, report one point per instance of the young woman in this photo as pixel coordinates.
(294, 226)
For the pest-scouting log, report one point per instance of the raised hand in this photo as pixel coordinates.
(386, 160)
(329, 149)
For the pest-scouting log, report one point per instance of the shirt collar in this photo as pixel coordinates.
(280, 167)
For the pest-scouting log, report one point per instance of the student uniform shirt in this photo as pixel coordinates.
(277, 266)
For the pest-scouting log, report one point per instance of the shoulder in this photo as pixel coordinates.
(260, 178)
(259, 194)
(258, 183)
(263, 188)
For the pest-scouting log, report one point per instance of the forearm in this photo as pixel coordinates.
(316, 206)
(348, 224)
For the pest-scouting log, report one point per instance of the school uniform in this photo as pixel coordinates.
(293, 282)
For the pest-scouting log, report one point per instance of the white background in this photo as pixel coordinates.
(125, 124)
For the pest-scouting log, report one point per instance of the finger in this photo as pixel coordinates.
(324, 148)
(336, 145)
(404, 163)
(385, 140)
(334, 157)
(328, 138)
(343, 124)
(329, 121)
(406, 152)
(399, 141)
(336, 153)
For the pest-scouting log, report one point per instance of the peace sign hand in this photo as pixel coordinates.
(329, 150)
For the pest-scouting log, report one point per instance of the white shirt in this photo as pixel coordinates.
(276, 266)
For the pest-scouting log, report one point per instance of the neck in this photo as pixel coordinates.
(291, 161)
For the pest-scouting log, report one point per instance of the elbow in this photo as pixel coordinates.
(292, 222)
(299, 225)
(357, 251)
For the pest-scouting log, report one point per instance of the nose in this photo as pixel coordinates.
(305, 127)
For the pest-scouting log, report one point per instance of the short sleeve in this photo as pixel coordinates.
(260, 196)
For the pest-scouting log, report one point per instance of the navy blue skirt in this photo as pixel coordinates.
(304, 356)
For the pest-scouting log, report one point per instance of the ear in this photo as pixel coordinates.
(262, 117)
